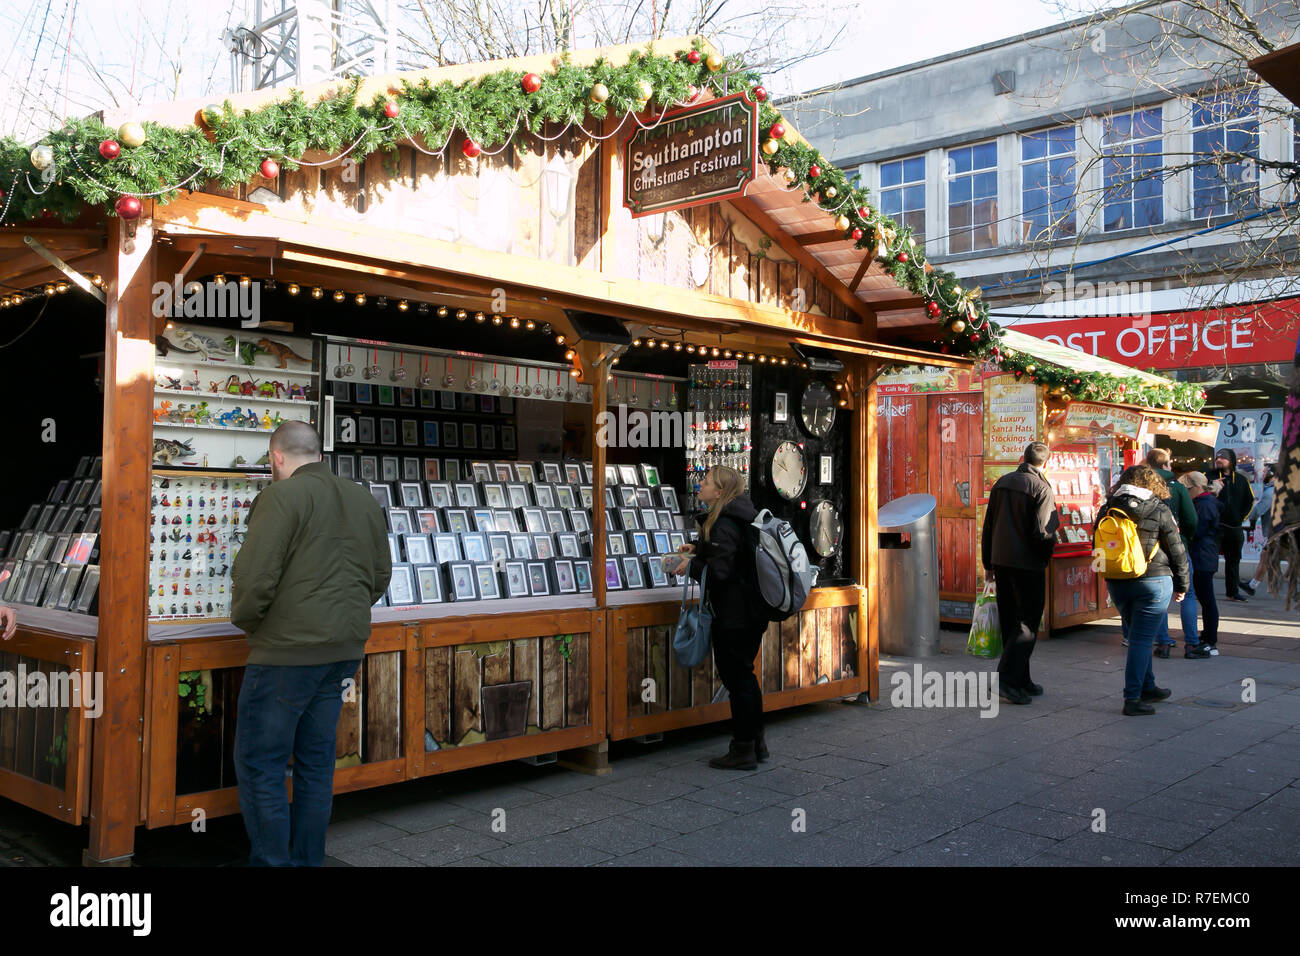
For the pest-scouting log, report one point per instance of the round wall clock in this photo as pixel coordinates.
(789, 472)
(817, 408)
(825, 528)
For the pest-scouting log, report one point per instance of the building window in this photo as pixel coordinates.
(973, 198)
(1132, 170)
(1047, 184)
(902, 193)
(1225, 131)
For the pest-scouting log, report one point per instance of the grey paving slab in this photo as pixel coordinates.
(1102, 849)
(1090, 791)
(1037, 821)
(682, 815)
(833, 765)
(370, 856)
(791, 781)
(620, 835)
(491, 798)
(444, 845)
(915, 821)
(738, 797)
(763, 838)
(1228, 788)
(418, 817)
(645, 790)
(586, 806)
(1067, 760)
(351, 834)
(975, 844)
(650, 856)
(1165, 826)
(548, 851)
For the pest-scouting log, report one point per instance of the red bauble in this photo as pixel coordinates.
(531, 82)
(777, 131)
(975, 337)
(128, 207)
(693, 56)
(692, 93)
(109, 149)
(470, 148)
(1121, 389)
(864, 212)
(814, 171)
(903, 257)
(391, 109)
(1074, 381)
(760, 94)
(945, 350)
(1019, 373)
(270, 168)
(857, 234)
(933, 308)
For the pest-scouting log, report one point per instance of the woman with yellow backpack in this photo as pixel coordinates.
(1141, 555)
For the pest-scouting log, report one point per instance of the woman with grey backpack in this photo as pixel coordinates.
(738, 623)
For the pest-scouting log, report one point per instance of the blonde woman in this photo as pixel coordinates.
(737, 627)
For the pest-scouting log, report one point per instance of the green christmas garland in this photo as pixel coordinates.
(484, 114)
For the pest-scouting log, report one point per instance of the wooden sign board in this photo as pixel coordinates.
(697, 155)
(1011, 418)
(1105, 418)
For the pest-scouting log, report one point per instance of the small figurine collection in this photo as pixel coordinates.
(185, 341)
(196, 527)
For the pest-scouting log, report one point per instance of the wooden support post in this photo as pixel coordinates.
(128, 440)
(599, 390)
(593, 760)
(869, 543)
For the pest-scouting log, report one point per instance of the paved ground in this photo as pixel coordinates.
(1210, 780)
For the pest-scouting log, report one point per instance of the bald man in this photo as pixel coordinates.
(314, 561)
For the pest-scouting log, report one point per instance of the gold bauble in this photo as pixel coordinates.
(959, 327)
(715, 62)
(882, 250)
(1030, 369)
(645, 89)
(842, 223)
(789, 176)
(211, 115)
(599, 93)
(42, 157)
(131, 134)
(830, 192)
(770, 146)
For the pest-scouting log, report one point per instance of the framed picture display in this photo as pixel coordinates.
(484, 520)
(431, 434)
(627, 474)
(573, 473)
(426, 519)
(521, 546)
(399, 521)
(543, 546)
(564, 497)
(401, 588)
(524, 472)
(580, 520)
(382, 493)
(440, 494)
(419, 548)
(458, 521)
(503, 472)
(58, 492)
(534, 520)
(627, 520)
(544, 495)
(69, 590)
(506, 404)
(662, 544)
(551, 472)
(365, 430)
(450, 435)
(489, 585)
(632, 574)
(565, 582)
(428, 583)
(389, 470)
(567, 542)
(650, 474)
(386, 396)
(616, 543)
(451, 469)
(474, 546)
(505, 519)
(410, 431)
(517, 494)
(480, 471)
(627, 496)
(668, 498)
(825, 464)
(88, 590)
(586, 497)
(494, 495)
(676, 539)
(446, 547)
(92, 520)
(613, 576)
(654, 567)
(35, 587)
(428, 398)
(410, 469)
(432, 469)
(95, 492)
(466, 402)
(611, 499)
(667, 521)
(649, 519)
(589, 471)
(463, 582)
(487, 435)
(77, 515)
(555, 522)
(364, 393)
(644, 499)
(539, 582)
(468, 434)
(640, 542)
(412, 494)
(388, 431)
(487, 403)
(516, 579)
(447, 401)
(466, 494)
(582, 575)
(498, 547)
(781, 407)
(406, 397)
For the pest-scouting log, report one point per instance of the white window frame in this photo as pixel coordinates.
(903, 184)
(1052, 233)
(1128, 145)
(948, 177)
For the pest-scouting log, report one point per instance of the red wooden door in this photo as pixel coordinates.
(956, 457)
(902, 463)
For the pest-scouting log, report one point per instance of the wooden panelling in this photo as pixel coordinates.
(437, 694)
(347, 750)
(553, 702)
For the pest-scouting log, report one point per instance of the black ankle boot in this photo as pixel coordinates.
(760, 747)
(740, 756)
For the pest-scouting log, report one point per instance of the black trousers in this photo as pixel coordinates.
(734, 650)
(1203, 583)
(1231, 541)
(1021, 598)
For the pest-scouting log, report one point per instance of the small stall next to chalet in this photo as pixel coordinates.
(474, 312)
(952, 433)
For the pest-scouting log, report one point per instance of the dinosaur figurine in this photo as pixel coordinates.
(202, 413)
(276, 420)
(239, 460)
(247, 352)
(168, 382)
(226, 419)
(265, 459)
(266, 419)
(162, 411)
(165, 452)
(183, 340)
(281, 352)
(164, 345)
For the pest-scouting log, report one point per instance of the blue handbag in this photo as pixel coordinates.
(691, 639)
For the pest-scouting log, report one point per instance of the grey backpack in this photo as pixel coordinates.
(783, 575)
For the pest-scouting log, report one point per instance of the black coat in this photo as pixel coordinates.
(1205, 545)
(1020, 522)
(1237, 497)
(1156, 525)
(730, 561)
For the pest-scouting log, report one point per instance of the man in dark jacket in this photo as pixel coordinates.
(1019, 537)
(1180, 503)
(315, 559)
(1237, 499)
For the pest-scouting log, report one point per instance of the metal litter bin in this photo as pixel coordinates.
(909, 577)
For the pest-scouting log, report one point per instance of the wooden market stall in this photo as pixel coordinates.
(497, 305)
(953, 433)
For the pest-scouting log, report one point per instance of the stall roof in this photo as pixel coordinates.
(1067, 357)
(1281, 70)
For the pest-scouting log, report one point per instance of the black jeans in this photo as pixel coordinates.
(1203, 583)
(1021, 598)
(1231, 541)
(734, 650)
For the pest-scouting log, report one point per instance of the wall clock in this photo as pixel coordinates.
(789, 470)
(825, 528)
(817, 409)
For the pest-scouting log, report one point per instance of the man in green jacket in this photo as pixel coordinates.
(314, 561)
(1180, 503)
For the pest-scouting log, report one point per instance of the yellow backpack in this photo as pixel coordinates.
(1115, 540)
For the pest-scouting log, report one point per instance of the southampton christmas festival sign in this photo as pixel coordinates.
(701, 154)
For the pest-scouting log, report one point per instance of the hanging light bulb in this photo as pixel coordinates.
(690, 348)
(636, 343)
(219, 279)
(245, 281)
(559, 340)
(749, 357)
(497, 318)
(403, 305)
(422, 308)
(530, 325)
(785, 361)
(62, 287)
(293, 288)
(650, 343)
(514, 321)
(715, 352)
(726, 353)
(382, 302)
(360, 298)
(317, 292)
(677, 346)
(480, 317)
(569, 354)
(338, 295)
(613, 361)
(762, 359)
(574, 373)
(49, 288)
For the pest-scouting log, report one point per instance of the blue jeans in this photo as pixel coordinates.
(1187, 614)
(1143, 603)
(288, 710)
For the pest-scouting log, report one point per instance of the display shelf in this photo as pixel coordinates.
(208, 396)
(201, 363)
(229, 429)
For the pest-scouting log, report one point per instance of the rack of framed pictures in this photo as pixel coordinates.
(210, 385)
(51, 559)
